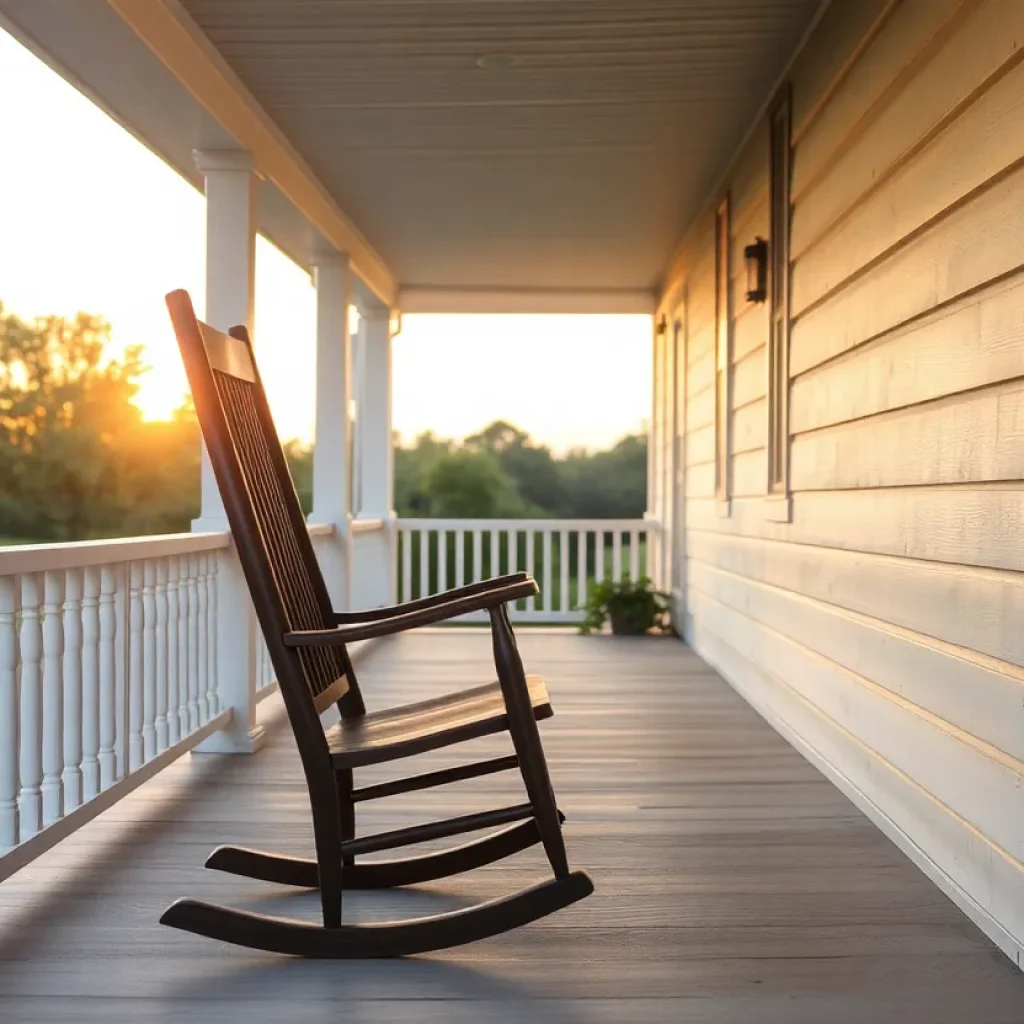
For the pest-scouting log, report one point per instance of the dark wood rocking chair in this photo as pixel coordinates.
(306, 640)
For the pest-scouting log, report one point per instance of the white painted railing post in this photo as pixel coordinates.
(74, 712)
(8, 714)
(378, 583)
(52, 789)
(235, 662)
(332, 491)
(111, 656)
(30, 806)
(231, 221)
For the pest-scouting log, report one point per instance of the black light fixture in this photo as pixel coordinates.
(756, 257)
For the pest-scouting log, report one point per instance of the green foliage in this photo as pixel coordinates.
(610, 484)
(300, 462)
(77, 460)
(633, 606)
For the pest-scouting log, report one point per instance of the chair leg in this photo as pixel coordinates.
(526, 739)
(346, 810)
(324, 802)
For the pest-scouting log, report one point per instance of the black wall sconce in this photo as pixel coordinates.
(756, 257)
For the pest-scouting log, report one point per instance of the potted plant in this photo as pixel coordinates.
(633, 606)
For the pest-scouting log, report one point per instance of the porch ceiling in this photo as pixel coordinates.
(577, 168)
(559, 183)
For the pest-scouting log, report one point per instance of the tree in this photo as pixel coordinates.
(76, 458)
(531, 467)
(469, 484)
(607, 485)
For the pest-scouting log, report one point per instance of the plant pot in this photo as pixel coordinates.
(624, 626)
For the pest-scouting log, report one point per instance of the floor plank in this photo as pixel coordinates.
(734, 883)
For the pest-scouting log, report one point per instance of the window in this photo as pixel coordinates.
(722, 354)
(778, 342)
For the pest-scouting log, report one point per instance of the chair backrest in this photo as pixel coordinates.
(263, 511)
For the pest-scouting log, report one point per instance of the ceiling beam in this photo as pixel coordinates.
(166, 28)
(504, 300)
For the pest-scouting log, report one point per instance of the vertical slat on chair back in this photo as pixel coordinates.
(259, 497)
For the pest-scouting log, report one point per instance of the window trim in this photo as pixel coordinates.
(723, 354)
(780, 128)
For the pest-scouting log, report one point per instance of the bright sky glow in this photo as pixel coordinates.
(92, 220)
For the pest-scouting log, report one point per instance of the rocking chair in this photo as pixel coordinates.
(306, 640)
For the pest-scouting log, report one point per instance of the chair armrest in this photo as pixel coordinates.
(342, 635)
(469, 590)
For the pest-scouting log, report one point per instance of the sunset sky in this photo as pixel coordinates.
(91, 220)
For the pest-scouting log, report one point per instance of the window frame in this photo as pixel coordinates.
(723, 354)
(779, 274)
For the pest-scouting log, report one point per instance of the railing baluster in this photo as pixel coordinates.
(616, 555)
(173, 722)
(424, 588)
(599, 566)
(442, 561)
(563, 571)
(194, 717)
(185, 724)
(212, 695)
(8, 712)
(512, 549)
(148, 659)
(582, 540)
(478, 557)
(530, 545)
(460, 558)
(53, 697)
(31, 755)
(160, 724)
(111, 642)
(133, 684)
(92, 676)
(121, 629)
(202, 674)
(634, 555)
(405, 546)
(74, 711)
(547, 597)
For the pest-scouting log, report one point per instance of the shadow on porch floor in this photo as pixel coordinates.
(734, 883)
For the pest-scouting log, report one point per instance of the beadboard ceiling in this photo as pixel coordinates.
(573, 159)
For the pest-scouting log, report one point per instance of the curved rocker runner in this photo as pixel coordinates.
(306, 640)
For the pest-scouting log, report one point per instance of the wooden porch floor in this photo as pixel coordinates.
(734, 884)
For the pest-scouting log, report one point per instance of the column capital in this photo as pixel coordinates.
(329, 258)
(223, 160)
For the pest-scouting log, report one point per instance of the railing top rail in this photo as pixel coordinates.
(525, 524)
(81, 554)
(320, 529)
(367, 525)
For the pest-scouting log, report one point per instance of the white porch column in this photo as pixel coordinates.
(377, 585)
(231, 198)
(332, 488)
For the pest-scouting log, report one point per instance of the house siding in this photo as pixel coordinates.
(881, 628)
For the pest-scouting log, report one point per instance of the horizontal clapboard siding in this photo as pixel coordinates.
(879, 628)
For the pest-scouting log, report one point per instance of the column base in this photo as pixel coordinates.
(233, 741)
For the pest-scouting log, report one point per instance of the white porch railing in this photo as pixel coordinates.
(107, 673)
(564, 555)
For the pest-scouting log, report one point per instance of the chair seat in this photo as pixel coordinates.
(427, 725)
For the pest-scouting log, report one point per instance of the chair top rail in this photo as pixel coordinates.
(29, 558)
(525, 524)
